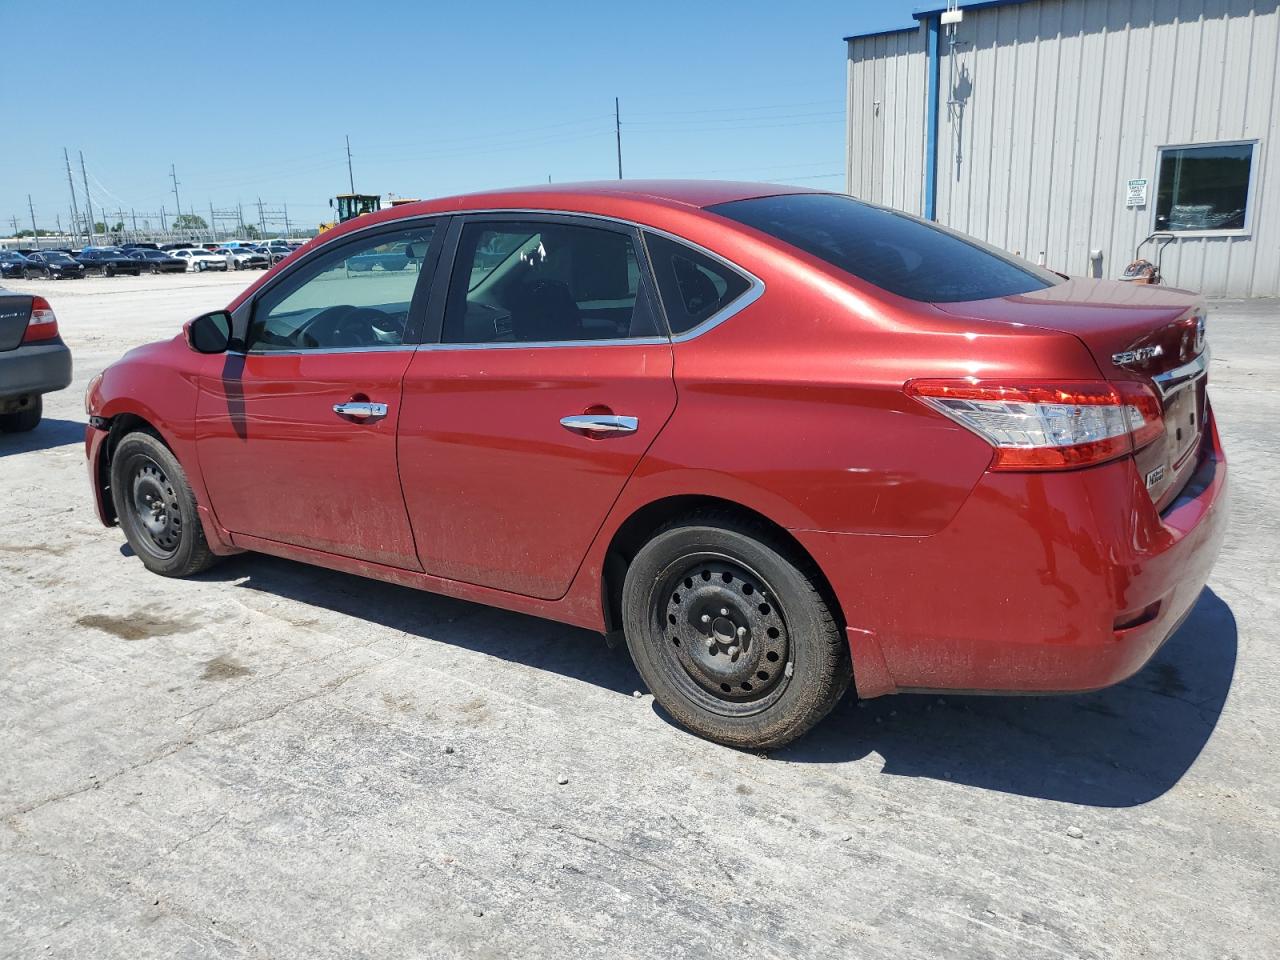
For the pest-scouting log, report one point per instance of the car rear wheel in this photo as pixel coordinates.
(154, 270)
(24, 420)
(731, 632)
(157, 508)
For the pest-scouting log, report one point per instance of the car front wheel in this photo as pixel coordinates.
(732, 633)
(157, 508)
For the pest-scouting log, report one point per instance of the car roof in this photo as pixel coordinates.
(591, 194)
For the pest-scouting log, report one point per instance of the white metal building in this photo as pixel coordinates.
(1069, 130)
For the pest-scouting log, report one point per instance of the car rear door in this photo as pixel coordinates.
(551, 378)
(296, 435)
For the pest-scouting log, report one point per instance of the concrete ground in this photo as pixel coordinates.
(279, 761)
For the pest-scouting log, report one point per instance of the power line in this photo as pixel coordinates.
(351, 179)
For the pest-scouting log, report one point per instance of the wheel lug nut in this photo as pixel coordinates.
(742, 632)
(724, 612)
(711, 647)
(733, 654)
(706, 618)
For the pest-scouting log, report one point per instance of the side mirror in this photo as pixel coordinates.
(209, 332)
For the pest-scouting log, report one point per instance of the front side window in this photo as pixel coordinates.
(356, 296)
(545, 282)
(894, 251)
(1204, 188)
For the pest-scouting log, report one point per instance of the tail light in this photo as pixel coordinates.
(43, 325)
(1049, 426)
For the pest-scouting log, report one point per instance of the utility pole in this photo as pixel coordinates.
(286, 220)
(617, 132)
(173, 174)
(213, 223)
(262, 224)
(34, 232)
(14, 221)
(164, 222)
(350, 176)
(134, 217)
(88, 204)
(75, 214)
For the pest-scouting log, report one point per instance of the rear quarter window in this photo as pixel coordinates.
(894, 251)
(694, 287)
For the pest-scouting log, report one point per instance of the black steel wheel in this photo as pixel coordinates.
(156, 507)
(727, 645)
(732, 633)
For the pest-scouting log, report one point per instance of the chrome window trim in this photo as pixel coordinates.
(382, 348)
(535, 344)
(754, 291)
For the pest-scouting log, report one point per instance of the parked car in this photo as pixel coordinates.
(157, 261)
(13, 265)
(244, 258)
(198, 259)
(33, 360)
(53, 265)
(139, 245)
(109, 263)
(776, 439)
(394, 259)
(277, 252)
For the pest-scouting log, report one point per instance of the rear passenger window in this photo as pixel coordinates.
(693, 286)
(541, 281)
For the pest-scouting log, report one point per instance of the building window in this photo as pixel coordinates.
(1204, 188)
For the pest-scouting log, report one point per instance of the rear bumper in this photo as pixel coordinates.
(35, 368)
(1042, 583)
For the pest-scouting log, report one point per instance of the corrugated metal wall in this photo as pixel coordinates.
(886, 119)
(1057, 103)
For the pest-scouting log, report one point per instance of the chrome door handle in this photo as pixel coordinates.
(354, 409)
(600, 423)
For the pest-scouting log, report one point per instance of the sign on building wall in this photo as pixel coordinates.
(1137, 193)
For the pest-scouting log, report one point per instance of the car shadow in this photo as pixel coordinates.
(1117, 747)
(542, 644)
(49, 434)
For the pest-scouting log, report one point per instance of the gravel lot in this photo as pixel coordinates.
(280, 761)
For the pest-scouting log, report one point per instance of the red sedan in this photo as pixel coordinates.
(778, 439)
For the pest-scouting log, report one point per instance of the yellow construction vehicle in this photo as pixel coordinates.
(350, 206)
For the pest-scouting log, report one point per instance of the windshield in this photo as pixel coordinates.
(902, 254)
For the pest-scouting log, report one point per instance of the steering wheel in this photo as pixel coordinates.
(348, 326)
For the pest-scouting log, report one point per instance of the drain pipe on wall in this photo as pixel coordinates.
(931, 119)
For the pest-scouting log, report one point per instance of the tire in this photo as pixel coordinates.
(155, 271)
(23, 421)
(157, 508)
(758, 599)
(108, 271)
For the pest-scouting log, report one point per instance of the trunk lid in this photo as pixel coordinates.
(1148, 334)
(15, 311)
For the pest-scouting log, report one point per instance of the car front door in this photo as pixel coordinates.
(296, 434)
(551, 376)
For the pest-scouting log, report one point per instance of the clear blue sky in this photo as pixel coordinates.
(252, 99)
